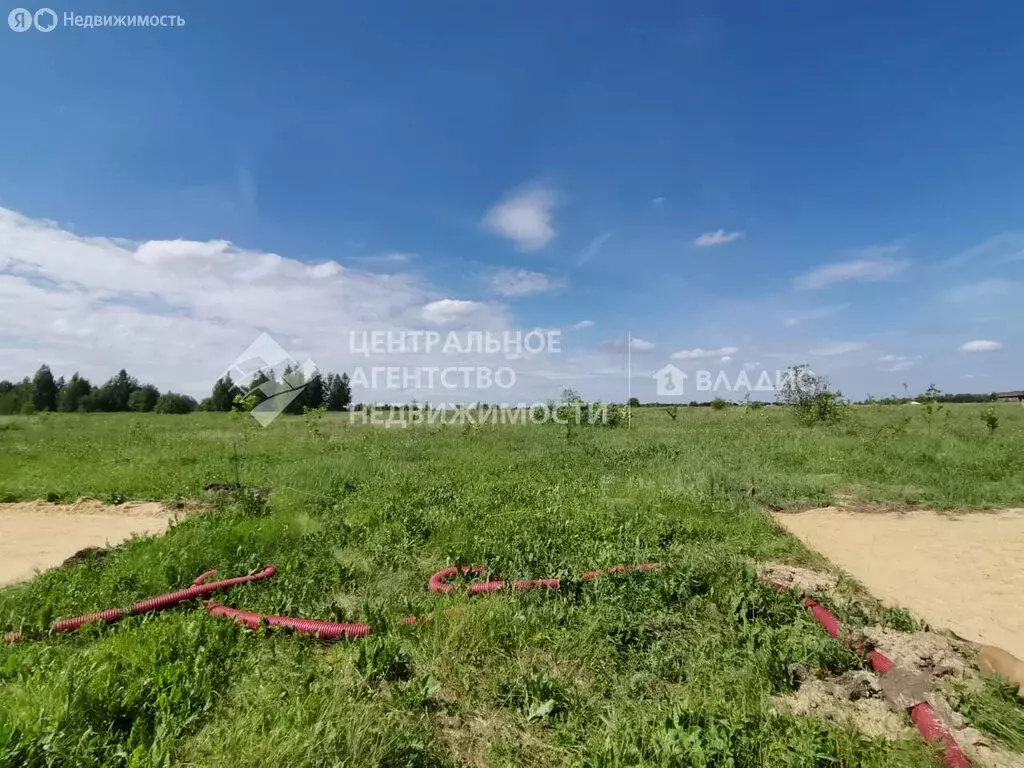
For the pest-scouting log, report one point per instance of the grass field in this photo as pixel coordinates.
(670, 668)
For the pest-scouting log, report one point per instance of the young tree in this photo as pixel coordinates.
(13, 397)
(293, 379)
(313, 395)
(223, 395)
(44, 390)
(144, 398)
(172, 402)
(571, 396)
(113, 396)
(253, 389)
(339, 392)
(813, 400)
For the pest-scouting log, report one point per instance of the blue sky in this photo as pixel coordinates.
(854, 170)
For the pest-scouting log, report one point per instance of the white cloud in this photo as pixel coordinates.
(520, 282)
(751, 366)
(703, 354)
(983, 290)
(641, 345)
(449, 311)
(726, 359)
(878, 266)
(718, 237)
(838, 348)
(619, 345)
(998, 249)
(582, 325)
(809, 315)
(176, 313)
(392, 258)
(981, 345)
(593, 248)
(524, 218)
(658, 202)
(898, 362)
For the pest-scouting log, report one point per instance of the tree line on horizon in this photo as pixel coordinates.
(123, 392)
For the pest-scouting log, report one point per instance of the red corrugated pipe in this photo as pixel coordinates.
(326, 630)
(922, 714)
(197, 591)
(438, 583)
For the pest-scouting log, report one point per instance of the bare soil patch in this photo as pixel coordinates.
(852, 700)
(957, 572)
(37, 535)
(794, 577)
(938, 656)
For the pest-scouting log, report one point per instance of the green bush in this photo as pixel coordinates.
(988, 416)
(174, 403)
(812, 399)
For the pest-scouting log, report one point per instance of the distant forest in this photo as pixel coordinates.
(123, 392)
(332, 391)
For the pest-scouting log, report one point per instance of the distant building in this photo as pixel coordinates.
(1011, 397)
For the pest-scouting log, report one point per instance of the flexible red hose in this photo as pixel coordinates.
(439, 581)
(922, 714)
(197, 591)
(325, 630)
(438, 584)
(934, 732)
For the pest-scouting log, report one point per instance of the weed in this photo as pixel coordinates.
(381, 657)
(989, 418)
(312, 418)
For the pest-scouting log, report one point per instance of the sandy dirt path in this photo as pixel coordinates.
(964, 572)
(37, 535)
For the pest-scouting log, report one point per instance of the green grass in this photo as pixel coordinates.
(670, 668)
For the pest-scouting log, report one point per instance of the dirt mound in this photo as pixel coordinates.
(852, 700)
(794, 577)
(980, 749)
(929, 652)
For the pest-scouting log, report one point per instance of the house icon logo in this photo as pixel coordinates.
(670, 381)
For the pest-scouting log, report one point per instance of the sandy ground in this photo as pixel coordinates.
(963, 573)
(37, 535)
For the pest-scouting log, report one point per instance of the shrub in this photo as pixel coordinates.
(811, 397)
(175, 403)
(719, 404)
(991, 420)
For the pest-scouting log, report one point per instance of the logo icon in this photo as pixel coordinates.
(259, 363)
(670, 381)
(45, 19)
(20, 19)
